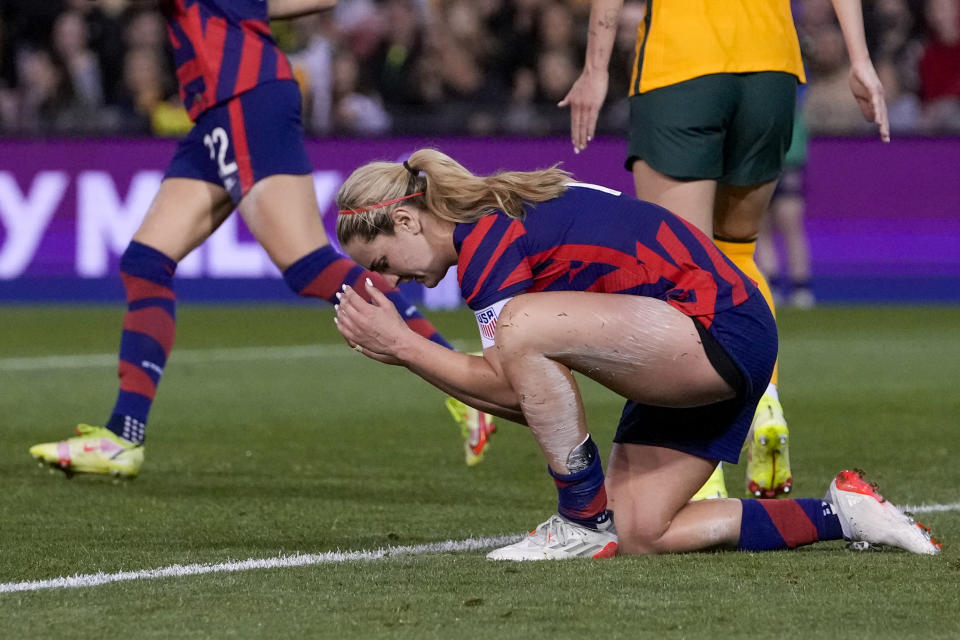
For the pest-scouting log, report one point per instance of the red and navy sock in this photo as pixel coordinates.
(148, 330)
(582, 496)
(767, 525)
(321, 274)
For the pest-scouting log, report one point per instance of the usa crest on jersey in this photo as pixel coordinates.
(487, 322)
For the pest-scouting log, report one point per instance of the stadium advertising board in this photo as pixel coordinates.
(68, 209)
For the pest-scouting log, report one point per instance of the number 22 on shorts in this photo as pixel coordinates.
(218, 143)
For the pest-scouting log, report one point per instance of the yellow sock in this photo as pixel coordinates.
(741, 254)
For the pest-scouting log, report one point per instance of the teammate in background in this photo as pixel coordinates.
(787, 207)
(711, 110)
(568, 277)
(245, 151)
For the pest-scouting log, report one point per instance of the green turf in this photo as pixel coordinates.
(255, 459)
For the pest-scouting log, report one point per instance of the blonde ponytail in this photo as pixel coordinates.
(440, 185)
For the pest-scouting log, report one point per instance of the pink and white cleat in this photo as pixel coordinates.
(561, 539)
(866, 516)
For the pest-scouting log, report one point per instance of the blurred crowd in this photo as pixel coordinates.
(436, 67)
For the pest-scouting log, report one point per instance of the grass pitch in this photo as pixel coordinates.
(264, 453)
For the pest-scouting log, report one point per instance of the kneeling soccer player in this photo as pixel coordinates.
(570, 277)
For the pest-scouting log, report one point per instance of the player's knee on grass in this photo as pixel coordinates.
(641, 538)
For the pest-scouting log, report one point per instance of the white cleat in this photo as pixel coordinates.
(865, 516)
(560, 539)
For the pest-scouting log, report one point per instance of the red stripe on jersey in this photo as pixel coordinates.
(727, 273)
(284, 71)
(514, 231)
(259, 27)
(153, 322)
(471, 243)
(207, 42)
(133, 379)
(546, 277)
(214, 37)
(520, 273)
(722, 266)
(173, 37)
(675, 249)
(791, 521)
(188, 72)
(249, 72)
(590, 253)
(609, 283)
(693, 277)
(139, 288)
(698, 280)
(240, 150)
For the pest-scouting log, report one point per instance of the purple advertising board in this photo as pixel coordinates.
(883, 220)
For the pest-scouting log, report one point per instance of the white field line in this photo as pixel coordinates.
(930, 508)
(188, 356)
(284, 561)
(312, 559)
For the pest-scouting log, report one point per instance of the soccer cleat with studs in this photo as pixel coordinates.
(476, 427)
(93, 450)
(561, 539)
(870, 522)
(768, 454)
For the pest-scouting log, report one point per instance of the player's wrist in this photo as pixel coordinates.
(408, 347)
(595, 69)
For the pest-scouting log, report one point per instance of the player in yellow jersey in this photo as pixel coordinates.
(711, 112)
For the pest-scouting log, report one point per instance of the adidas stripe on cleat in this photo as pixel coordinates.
(866, 516)
(561, 539)
(93, 450)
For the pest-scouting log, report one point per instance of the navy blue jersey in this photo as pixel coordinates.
(594, 239)
(222, 48)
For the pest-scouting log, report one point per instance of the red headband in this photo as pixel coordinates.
(347, 212)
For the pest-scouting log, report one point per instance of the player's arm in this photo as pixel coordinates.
(864, 82)
(490, 359)
(383, 335)
(590, 90)
(280, 9)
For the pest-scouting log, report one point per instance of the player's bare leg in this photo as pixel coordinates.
(737, 220)
(641, 348)
(282, 213)
(692, 200)
(649, 490)
(182, 215)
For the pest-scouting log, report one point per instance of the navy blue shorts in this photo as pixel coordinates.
(245, 139)
(741, 343)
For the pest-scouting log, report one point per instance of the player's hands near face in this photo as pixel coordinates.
(585, 98)
(868, 91)
(375, 327)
